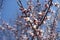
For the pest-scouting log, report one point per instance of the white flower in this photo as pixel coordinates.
(34, 26)
(37, 33)
(27, 18)
(48, 17)
(28, 3)
(24, 37)
(16, 37)
(32, 34)
(31, 21)
(41, 30)
(31, 15)
(57, 4)
(9, 27)
(35, 19)
(40, 13)
(44, 22)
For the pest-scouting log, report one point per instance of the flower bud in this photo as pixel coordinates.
(27, 18)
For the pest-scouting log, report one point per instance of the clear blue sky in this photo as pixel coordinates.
(9, 10)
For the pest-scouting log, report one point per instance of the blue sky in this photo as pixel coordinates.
(9, 10)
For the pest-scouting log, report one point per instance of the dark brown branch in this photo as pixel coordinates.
(45, 13)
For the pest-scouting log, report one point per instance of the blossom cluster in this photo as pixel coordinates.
(37, 22)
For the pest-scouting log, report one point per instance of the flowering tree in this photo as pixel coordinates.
(35, 17)
(37, 22)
